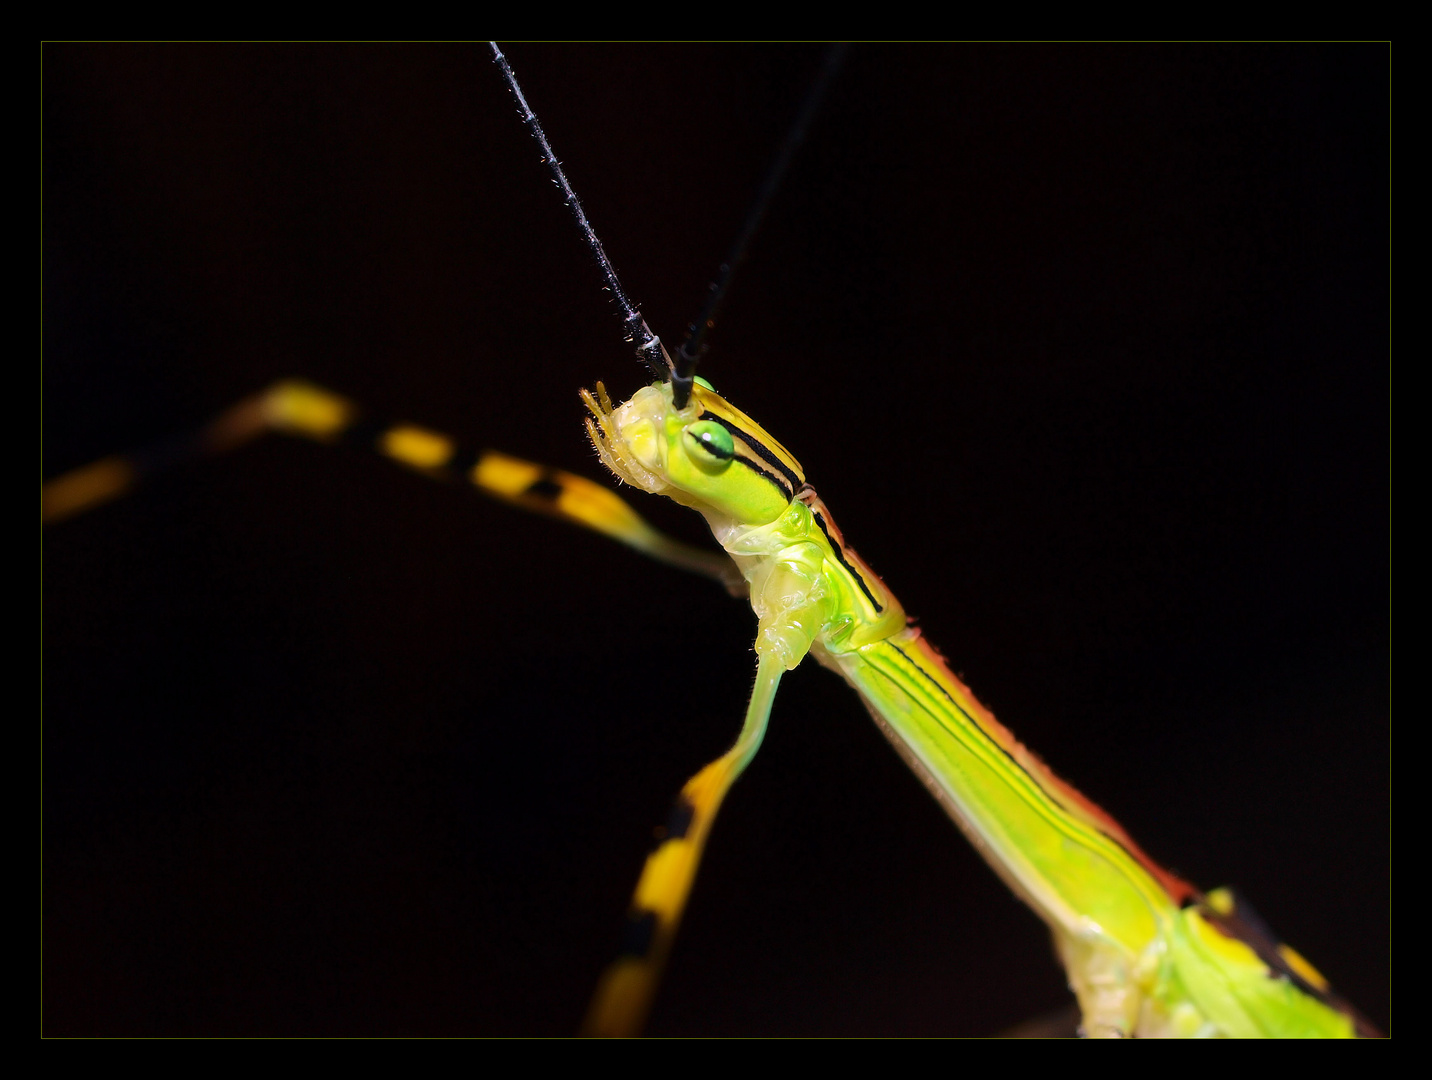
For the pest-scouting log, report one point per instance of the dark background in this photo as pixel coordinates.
(1086, 347)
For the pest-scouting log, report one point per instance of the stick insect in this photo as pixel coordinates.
(329, 749)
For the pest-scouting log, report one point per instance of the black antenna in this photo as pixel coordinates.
(648, 346)
(695, 345)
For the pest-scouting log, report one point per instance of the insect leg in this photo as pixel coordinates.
(625, 990)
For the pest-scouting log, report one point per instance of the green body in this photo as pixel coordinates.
(1145, 952)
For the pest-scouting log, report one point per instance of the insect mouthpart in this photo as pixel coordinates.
(629, 437)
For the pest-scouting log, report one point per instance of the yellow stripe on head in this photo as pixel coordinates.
(757, 438)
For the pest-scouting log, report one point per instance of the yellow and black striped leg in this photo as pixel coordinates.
(625, 991)
(294, 407)
(574, 498)
(302, 409)
(82, 489)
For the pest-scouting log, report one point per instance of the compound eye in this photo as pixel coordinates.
(709, 445)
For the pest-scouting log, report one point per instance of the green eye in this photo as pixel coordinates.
(709, 445)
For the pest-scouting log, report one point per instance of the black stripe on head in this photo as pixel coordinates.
(766, 474)
(762, 451)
